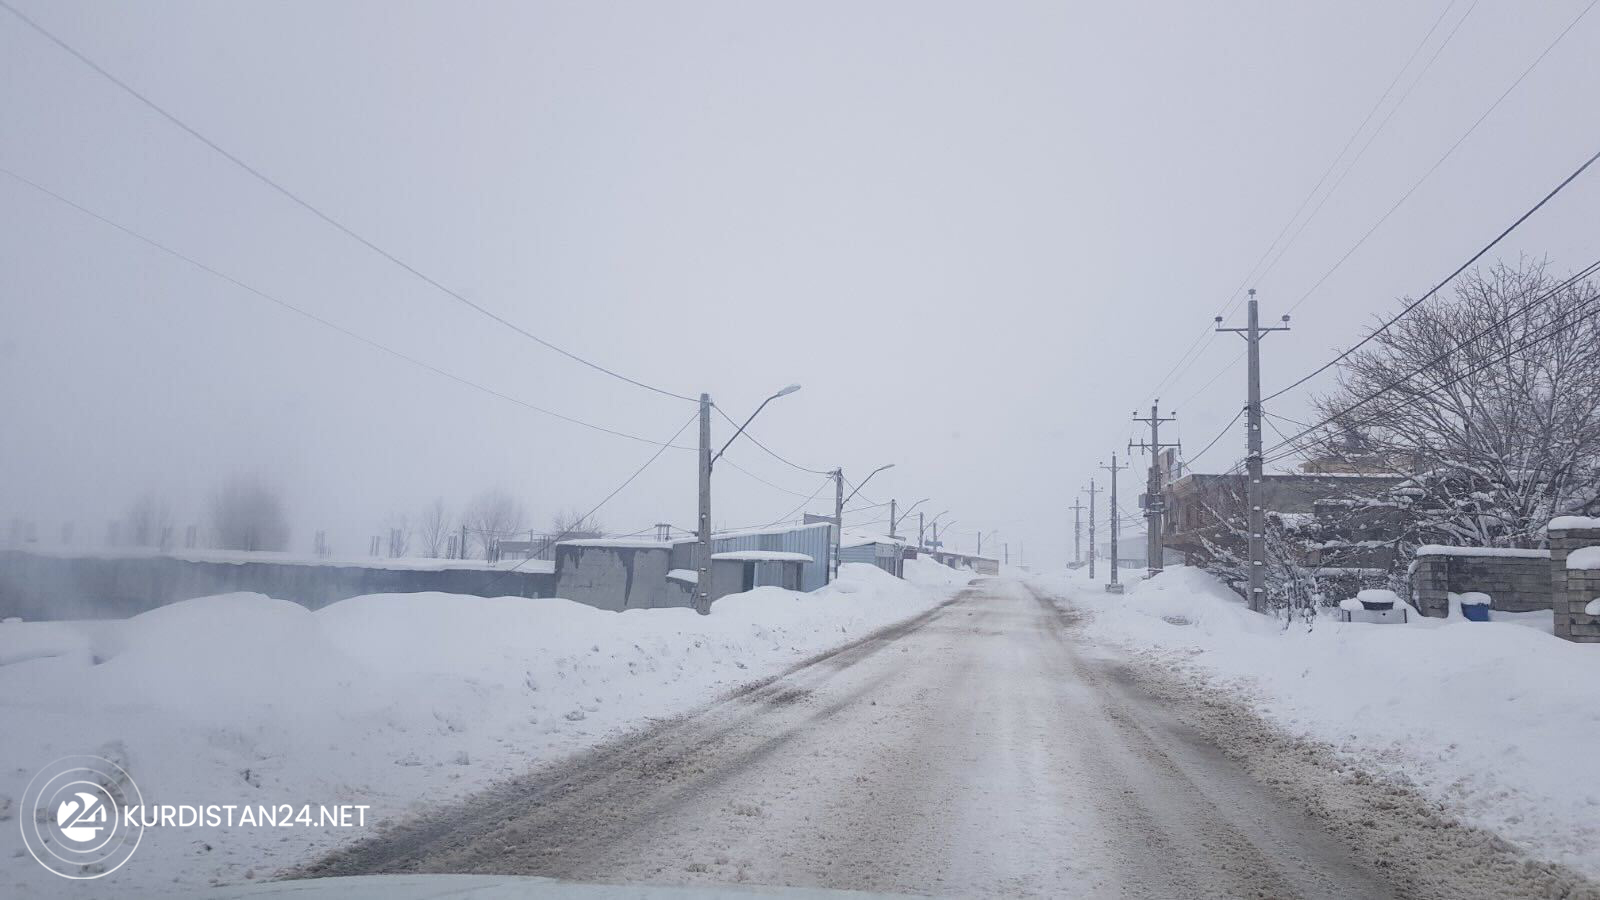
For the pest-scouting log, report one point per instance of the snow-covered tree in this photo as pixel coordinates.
(1489, 405)
(247, 514)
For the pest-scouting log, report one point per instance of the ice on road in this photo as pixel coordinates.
(979, 749)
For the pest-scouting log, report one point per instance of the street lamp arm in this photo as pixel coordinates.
(788, 390)
(865, 480)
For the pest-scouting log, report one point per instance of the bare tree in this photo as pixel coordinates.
(434, 528)
(149, 521)
(492, 516)
(572, 524)
(1499, 431)
(247, 514)
(397, 532)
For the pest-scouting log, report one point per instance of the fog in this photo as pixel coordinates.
(978, 235)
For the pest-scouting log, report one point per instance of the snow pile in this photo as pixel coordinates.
(1490, 719)
(1584, 558)
(397, 701)
(1592, 608)
(1562, 523)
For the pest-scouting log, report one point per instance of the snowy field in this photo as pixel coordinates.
(397, 701)
(1497, 722)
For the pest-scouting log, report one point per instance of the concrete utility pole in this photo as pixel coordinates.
(1252, 334)
(702, 586)
(1154, 504)
(1077, 530)
(1006, 549)
(1115, 586)
(838, 522)
(922, 544)
(1093, 548)
(891, 518)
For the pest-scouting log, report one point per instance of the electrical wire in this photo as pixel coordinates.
(1447, 154)
(1523, 345)
(768, 450)
(318, 319)
(1436, 288)
(314, 210)
(756, 477)
(1231, 422)
(607, 499)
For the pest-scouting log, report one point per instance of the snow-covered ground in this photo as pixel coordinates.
(397, 701)
(1497, 722)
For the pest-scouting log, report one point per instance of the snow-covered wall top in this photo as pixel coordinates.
(1584, 558)
(1442, 550)
(1564, 523)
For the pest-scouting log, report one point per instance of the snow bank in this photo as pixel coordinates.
(1573, 522)
(396, 700)
(1488, 719)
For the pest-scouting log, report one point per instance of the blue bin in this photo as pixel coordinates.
(1475, 612)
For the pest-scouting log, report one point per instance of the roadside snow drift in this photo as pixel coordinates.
(1498, 722)
(396, 701)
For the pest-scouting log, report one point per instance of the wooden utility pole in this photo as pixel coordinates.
(1091, 490)
(702, 587)
(1114, 586)
(1154, 504)
(1077, 530)
(1252, 334)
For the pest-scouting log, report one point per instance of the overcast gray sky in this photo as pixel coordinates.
(978, 234)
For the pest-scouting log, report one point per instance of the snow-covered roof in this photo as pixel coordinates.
(762, 556)
(625, 543)
(243, 557)
(863, 538)
(1567, 522)
(1441, 550)
(688, 576)
(1584, 558)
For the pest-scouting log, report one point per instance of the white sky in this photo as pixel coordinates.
(977, 234)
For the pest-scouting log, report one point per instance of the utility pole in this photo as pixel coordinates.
(1114, 587)
(1154, 504)
(1006, 550)
(1077, 530)
(980, 545)
(702, 587)
(891, 518)
(921, 532)
(1093, 549)
(1252, 334)
(838, 521)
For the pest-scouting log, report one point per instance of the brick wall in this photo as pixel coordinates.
(1515, 583)
(1573, 589)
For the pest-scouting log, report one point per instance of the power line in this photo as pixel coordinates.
(769, 451)
(1436, 288)
(1213, 443)
(318, 319)
(1381, 125)
(756, 477)
(1236, 295)
(1529, 341)
(307, 205)
(615, 491)
(1441, 160)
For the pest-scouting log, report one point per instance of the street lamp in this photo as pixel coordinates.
(838, 509)
(935, 524)
(783, 393)
(703, 566)
(895, 520)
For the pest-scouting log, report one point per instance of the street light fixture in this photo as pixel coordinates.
(839, 500)
(895, 520)
(783, 393)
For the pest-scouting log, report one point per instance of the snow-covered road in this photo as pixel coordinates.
(978, 749)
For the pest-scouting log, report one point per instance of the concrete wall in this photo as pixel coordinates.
(1572, 589)
(1514, 583)
(37, 587)
(615, 578)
